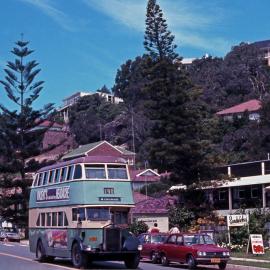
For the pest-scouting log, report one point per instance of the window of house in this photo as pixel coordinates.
(222, 195)
(70, 172)
(117, 172)
(241, 193)
(255, 192)
(78, 172)
(95, 171)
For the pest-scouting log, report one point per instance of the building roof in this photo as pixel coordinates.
(146, 175)
(154, 205)
(251, 106)
(82, 150)
(139, 197)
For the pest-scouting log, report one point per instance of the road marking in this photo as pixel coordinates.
(22, 245)
(33, 261)
(8, 245)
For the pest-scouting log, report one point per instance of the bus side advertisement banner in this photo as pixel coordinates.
(53, 194)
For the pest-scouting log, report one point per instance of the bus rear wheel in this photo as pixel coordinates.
(132, 262)
(78, 258)
(40, 252)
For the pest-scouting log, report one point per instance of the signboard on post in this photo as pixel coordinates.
(256, 242)
(237, 220)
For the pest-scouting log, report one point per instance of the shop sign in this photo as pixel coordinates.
(237, 220)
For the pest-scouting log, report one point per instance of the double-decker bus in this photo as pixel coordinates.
(78, 209)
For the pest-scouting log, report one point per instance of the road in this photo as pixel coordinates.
(15, 256)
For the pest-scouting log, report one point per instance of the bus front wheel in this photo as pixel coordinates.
(132, 262)
(40, 252)
(78, 258)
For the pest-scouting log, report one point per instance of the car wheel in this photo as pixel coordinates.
(40, 252)
(222, 265)
(132, 262)
(164, 260)
(78, 258)
(153, 257)
(191, 262)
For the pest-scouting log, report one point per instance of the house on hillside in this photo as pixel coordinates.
(251, 107)
(154, 210)
(73, 99)
(101, 148)
(56, 140)
(142, 178)
(249, 188)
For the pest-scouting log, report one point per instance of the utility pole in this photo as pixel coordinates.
(133, 136)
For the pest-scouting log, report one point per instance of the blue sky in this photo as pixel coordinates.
(80, 44)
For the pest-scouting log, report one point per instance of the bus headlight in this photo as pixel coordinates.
(139, 247)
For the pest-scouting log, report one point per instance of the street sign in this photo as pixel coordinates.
(237, 220)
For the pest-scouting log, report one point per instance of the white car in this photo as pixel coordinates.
(10, 234)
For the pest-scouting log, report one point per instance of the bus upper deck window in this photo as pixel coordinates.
(117, 172)
(45, 178)
(70, 172)
(51, 176)
(95, 171)
(63, 174)
(36, 180)
(57, 174)
(78, 172)
(40, 177)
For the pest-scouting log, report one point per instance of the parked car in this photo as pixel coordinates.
(192, 249)
(149, 242)
(11, 234)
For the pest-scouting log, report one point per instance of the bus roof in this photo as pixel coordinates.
(88, 159)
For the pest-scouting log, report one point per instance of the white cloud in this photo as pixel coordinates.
(57, 15)
(188, 22)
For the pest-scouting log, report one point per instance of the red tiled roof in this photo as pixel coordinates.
(251, 106)
(139, 197)
(154, 205)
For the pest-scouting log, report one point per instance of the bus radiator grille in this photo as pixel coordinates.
(112, 239)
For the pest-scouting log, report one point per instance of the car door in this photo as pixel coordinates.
(171, 248)
(181, 250)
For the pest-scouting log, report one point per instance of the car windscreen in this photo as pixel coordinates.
(197, 239)
(158, 238)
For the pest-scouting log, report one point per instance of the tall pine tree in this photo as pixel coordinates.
(20, 136)
(178, 142)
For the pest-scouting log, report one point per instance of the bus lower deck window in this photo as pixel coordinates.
(48, 219)
(78, 213)
(60, 219)
(98, 213)
(43, 219)
(54, 219)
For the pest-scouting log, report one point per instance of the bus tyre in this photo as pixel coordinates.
(78, 258)
(132, 262)
(40, 252)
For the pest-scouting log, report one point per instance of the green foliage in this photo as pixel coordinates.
(138, 227)
(180, 216)
(91, 114)
(20, 137)
(158, 41)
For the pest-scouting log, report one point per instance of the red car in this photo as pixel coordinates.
(192, 249)
(149, 242)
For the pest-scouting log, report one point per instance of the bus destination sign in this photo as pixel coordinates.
(53, 194)
(110, 199)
